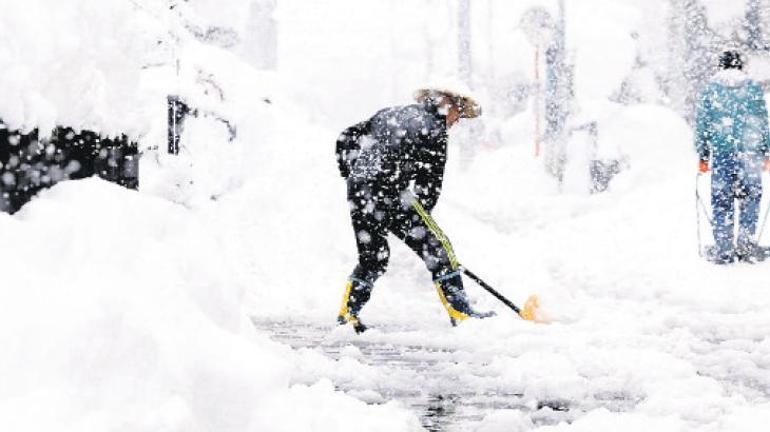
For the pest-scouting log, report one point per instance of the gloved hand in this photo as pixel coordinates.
(703, 166)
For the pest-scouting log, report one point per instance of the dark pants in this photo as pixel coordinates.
(374, 215)
(375, 212)
(730, 181)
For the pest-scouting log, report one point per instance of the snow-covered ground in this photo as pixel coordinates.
(644, 334)
(206, 301)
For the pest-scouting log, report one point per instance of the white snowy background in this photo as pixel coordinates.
(132, 311)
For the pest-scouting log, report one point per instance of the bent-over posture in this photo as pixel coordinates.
(394, 167)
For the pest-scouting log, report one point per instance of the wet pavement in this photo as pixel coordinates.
(448, 389)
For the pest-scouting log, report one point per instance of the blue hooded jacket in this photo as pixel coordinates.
(732, 121)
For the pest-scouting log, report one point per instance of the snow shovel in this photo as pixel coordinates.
(529, 312)
(530, 307)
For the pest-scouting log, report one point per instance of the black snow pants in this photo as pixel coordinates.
(374, 214)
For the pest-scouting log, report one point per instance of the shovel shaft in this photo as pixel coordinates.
(491, 290)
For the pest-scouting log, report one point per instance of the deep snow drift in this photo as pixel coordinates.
(124, 312)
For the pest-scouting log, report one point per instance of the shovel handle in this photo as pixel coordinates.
(491, 290)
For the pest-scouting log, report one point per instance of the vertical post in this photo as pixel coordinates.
(464, 41)
(491, 40)
(173, 125)
(177, 111)
(754, 24)
(172, 4)
(262, 35)
(676, 85)
(538, 101)
(700, 53)
(545, 34)
(173, 112)
(428, 40)
(557, 88)
(467, 149)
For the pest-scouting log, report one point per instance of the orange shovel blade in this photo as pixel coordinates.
(529, 311)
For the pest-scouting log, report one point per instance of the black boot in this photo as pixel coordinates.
(357, 293)
(452, 295)
(748, 252)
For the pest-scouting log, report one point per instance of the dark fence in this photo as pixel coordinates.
(29, 163)
(178, 111)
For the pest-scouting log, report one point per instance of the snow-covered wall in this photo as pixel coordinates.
(124, 312)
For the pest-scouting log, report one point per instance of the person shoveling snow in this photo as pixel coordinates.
(394, 167)
(733, 141)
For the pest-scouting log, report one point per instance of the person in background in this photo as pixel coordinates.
(733, 142)
(394, 167)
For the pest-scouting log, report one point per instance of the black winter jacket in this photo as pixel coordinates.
(397, 149)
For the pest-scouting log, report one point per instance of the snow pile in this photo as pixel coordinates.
(220, 146)
(83, 71)
(604, 48)
(102, 65)
(121, 312)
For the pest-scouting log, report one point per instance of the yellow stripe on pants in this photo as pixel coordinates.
(438, 233)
